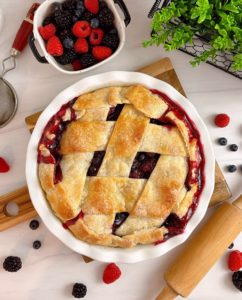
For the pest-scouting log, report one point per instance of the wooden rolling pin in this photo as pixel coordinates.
(203, 250)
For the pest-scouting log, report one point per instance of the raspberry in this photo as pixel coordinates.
(106, 17)
(81, 46)
(87, 60)
(96, 36)
(79, 290)
(111, 273)
(92, 6)
(54, 46)
(81, 29)
(76, 65)
(47, 31)
(235, 260)
(221, 120)
(4, 167)
(101, 52)
(12, 264)
(111, 41)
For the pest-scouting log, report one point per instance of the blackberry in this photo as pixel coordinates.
(233, 147)
(65, 34)
(36, 244)
(102, 4)
(87, 16)
(232, 168)
(106, 17)
(67, 57)
(12, 263)
(237, 280)
(87, 60)
(64, 20)
(34, 224)
(79, 290)
(69, 5)
(111, 41)
(222, 141)
(113, 31)
(47, 21)
(56, 8)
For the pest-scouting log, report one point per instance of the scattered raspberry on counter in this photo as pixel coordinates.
(111, 273)
(235, 260)
(222, 120)
(4, 167)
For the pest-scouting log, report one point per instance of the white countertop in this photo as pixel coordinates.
(48, 273)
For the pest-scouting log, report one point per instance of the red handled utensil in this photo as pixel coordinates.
(8, 96)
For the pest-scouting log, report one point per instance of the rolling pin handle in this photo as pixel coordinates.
(167, 294)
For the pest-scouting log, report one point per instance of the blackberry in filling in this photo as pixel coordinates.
(119, 219)
(95, 163)
(143, 165)
(114, 112)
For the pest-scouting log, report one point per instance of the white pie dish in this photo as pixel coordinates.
(138, 253)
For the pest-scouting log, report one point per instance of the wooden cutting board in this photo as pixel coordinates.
(162, 69)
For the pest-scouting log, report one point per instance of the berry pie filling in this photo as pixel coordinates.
(114, 210)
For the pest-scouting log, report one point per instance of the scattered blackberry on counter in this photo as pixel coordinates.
(36, 244)
(233, 147)
(106, 17)
(87, 60)
(87, 16)
(67, 57)
(94, 23)
(222, 141)
(231, 246)
(34, 224)
(237, 280)
(12, 263)
(64, 20)
(79, 290)
(232, 168)
(111, 40)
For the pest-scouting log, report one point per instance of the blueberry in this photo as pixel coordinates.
(36, 244)
(74, 19)
(233, 147)
(232, 168)
(222, 141)
(94, 23)
(231, 246)
(34, 224)
(68, 43)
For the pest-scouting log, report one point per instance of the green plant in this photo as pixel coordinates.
(221, 20)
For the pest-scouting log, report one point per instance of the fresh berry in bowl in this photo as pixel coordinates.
(88, 31)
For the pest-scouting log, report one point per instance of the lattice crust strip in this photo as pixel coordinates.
(100, 198)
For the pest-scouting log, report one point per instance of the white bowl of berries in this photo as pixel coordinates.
(76, 36)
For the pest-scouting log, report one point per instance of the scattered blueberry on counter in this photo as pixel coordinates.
(36, 244)
(222, 141)
(233, 147)
(232, 168)
(231, 246)
(34, 224)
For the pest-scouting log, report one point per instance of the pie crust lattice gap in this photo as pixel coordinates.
(121, 166)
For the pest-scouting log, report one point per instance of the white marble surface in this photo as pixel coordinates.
(49, 273)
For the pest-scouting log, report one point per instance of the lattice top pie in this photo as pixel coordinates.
(121, 166)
